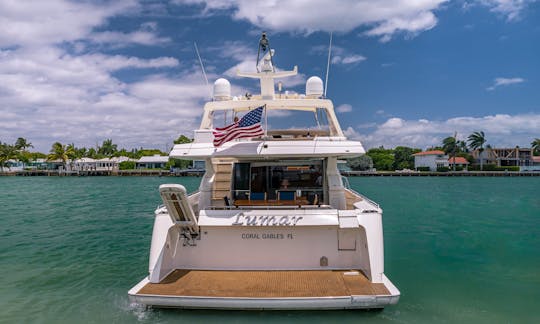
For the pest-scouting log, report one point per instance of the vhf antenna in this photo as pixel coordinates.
(328, 65)
(201, 63)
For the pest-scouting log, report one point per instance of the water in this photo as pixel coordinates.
(461, 250)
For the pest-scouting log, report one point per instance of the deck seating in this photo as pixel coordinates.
(286, 195)
(257, 196)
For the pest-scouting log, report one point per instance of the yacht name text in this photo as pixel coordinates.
(266, 220)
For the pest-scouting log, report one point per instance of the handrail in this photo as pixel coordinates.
(347, 186)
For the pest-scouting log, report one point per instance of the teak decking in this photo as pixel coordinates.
(263, 284)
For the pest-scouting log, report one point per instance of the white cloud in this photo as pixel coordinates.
(501, 130)
(140, 37)
(381, 18)
(49, 95)
(36, 22)
(351, 59)
(147, 113)
(412, 25)
(512, 9)
(498, 82)
(340, 55)
(345, 108)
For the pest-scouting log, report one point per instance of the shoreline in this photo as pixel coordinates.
(199, 173)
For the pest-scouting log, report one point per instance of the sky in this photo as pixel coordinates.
(402, 72)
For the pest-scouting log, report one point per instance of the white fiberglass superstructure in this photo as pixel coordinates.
(273, 225)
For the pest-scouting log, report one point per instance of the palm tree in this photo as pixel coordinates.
(7, 152)
(60, 152)
(476, 141)
(536, 146)
(450, 147)
(22, 144)
(108, 148)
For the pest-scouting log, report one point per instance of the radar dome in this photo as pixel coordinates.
(222, 89)
(314, 87)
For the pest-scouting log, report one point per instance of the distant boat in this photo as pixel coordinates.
(273, 224)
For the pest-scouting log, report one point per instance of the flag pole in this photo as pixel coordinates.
(265, 122)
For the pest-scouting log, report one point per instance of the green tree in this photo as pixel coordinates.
(361, 163)
(91, 153)
(22, 144)
(403, 157)
(462, 146)
(182, 139)
(60, 152)
(108, 148)
(383, 159)
(476, 142)
(536, 146)
(451, 147)
(7, 152)
(76, 153)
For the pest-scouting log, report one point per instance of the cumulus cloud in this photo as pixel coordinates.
(51, 94)
(345, 108)
(36, 22)
(512, 9)
(501, 130)
(340, 55)
(351, 59)
(499, 82)
(380, 18)
(118, 39)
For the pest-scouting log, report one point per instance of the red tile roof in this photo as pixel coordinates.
(458, 160)
(435, 152)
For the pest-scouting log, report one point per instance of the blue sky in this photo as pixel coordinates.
(403, 72)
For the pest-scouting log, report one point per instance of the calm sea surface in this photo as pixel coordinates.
(461, 250)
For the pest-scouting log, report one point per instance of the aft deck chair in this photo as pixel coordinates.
(286, 195)
(257, 196)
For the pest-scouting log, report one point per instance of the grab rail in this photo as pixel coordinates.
(347, 186)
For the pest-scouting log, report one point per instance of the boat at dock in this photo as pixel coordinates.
(273, 224)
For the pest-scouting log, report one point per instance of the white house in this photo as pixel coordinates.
(459, 162)
(152, 162)
(105, 164)
(84, 164)
(431, 159)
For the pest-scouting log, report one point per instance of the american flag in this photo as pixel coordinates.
(248, 126)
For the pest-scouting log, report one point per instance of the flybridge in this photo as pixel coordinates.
(312, 101)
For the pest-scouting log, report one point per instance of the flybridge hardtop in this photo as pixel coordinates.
(273, 224)
(316, 141)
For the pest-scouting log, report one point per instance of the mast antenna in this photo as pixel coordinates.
(200, 62)
(328, 65)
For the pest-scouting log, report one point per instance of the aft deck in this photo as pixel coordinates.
(264, 284)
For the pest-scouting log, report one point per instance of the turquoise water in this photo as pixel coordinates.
(461, 250)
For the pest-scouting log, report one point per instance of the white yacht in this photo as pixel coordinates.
(273, 224)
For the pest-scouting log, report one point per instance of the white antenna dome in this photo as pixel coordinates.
(222, 89)
(314, 87)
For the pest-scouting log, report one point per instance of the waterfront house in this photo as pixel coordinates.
(105, 164)
(152, 162)
(502, 157)
(459, 161)
(431, 159)
(14, 165)
(84, 164)
(534, 165)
